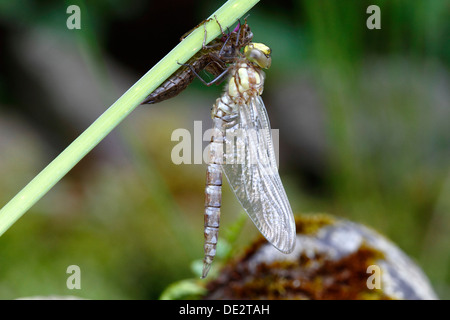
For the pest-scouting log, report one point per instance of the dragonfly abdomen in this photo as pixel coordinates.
(212, 217)
(179, 80)
(213, 202)
(213, 190)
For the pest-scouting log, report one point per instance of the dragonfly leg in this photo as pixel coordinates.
(184, 36)
(239, 33)
(224, 45)
(225, 35)
(228, 37)
(204, 38)
(221, 30)
(217, 79)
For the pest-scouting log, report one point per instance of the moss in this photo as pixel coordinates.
(318, 279)
(310, 224)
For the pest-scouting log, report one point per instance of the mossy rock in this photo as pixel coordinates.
(333, 259)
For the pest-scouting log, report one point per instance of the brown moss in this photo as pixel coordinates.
(318, 277)
(310, 224)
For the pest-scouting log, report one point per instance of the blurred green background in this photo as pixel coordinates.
(363, 118)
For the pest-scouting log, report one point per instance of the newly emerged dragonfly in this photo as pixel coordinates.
(214, 58)
(241, 147)
(241, 144)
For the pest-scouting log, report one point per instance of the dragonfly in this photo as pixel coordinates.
(241, 147)
(214, 58)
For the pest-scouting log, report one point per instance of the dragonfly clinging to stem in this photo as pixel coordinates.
(241, 144)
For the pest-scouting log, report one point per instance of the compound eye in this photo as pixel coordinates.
(258, 54)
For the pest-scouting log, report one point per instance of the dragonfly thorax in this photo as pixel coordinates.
(247, 81)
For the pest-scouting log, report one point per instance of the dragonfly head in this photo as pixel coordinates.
(258, 54)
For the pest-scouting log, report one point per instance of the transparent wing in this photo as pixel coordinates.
(251, 170)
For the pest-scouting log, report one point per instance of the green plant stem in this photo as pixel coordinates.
(58, 168)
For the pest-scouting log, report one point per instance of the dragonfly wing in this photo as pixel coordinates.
(251, 169)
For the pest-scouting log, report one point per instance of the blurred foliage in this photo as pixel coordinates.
(134, 223)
